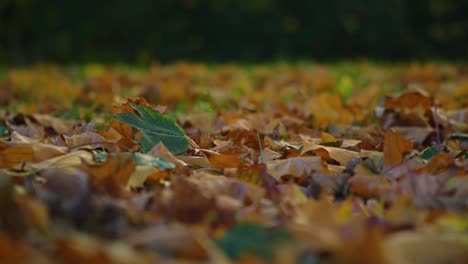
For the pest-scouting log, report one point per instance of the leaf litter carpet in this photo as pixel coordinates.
(189, 163)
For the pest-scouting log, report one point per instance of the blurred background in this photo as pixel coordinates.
(230, 30)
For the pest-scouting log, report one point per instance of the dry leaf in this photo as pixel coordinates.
(223, 161)
(395, 147)
(112, 175)
(296, 167)
(12, 154)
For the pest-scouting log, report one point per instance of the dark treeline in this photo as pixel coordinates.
(222, 30)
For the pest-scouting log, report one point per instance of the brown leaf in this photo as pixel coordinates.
(175, 240)
(91, 139)
(395, 146)
(12, 154)
(440, 162)
(268, 155)
(426, 247)
(409, 100)
(416, 134)
(60, 126)
(222, 161)
(296, 167)
(190, 204)
(41, 151)
(160, 151)
(369, 186)
(35, 213)
(14, 251)
(343, 156)
(68, 183)
(195, 161)
(111, 176)
(327, 109)
(217, 185)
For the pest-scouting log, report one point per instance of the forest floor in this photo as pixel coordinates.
(350, 162)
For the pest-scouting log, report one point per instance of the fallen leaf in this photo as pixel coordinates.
(409, 100)
(222, 161)
(343, 156)
(112, 175)
(11, 154)
(369, 186)
(327, 109)
(395, 147)
(327, 138)
(412, 247)
(296, 167)
(155, 128)
(262, 242)
(89, 139)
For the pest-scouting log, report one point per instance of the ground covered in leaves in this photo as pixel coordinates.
(285, 163)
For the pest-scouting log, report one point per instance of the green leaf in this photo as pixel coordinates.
(155, 128)
(428, 153)
(3, 130)
(148, 160)
(345, 86)
(459, 136)
(253, 239)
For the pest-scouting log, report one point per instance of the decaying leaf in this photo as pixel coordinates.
(247, 174)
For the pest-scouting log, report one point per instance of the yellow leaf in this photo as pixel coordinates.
(327, 138)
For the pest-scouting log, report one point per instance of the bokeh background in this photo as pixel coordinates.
(230, 30)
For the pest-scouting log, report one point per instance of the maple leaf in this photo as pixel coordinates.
(155, 128)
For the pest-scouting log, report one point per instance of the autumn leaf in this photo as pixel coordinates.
(296, 167)
(11, 155)
(395, 147)
(288, 163)
(369, 186)
(222, 161)
(155, 128)
(409, 100)
(112, 175)
(327, 109)
(327, 138)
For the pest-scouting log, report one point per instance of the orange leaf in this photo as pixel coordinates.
(112, 175)
(369, 186)
(14, 251)
(395, 146)
(223, 161)
(327, 109)
(409, 100)
(14, 154)
(440, 162)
